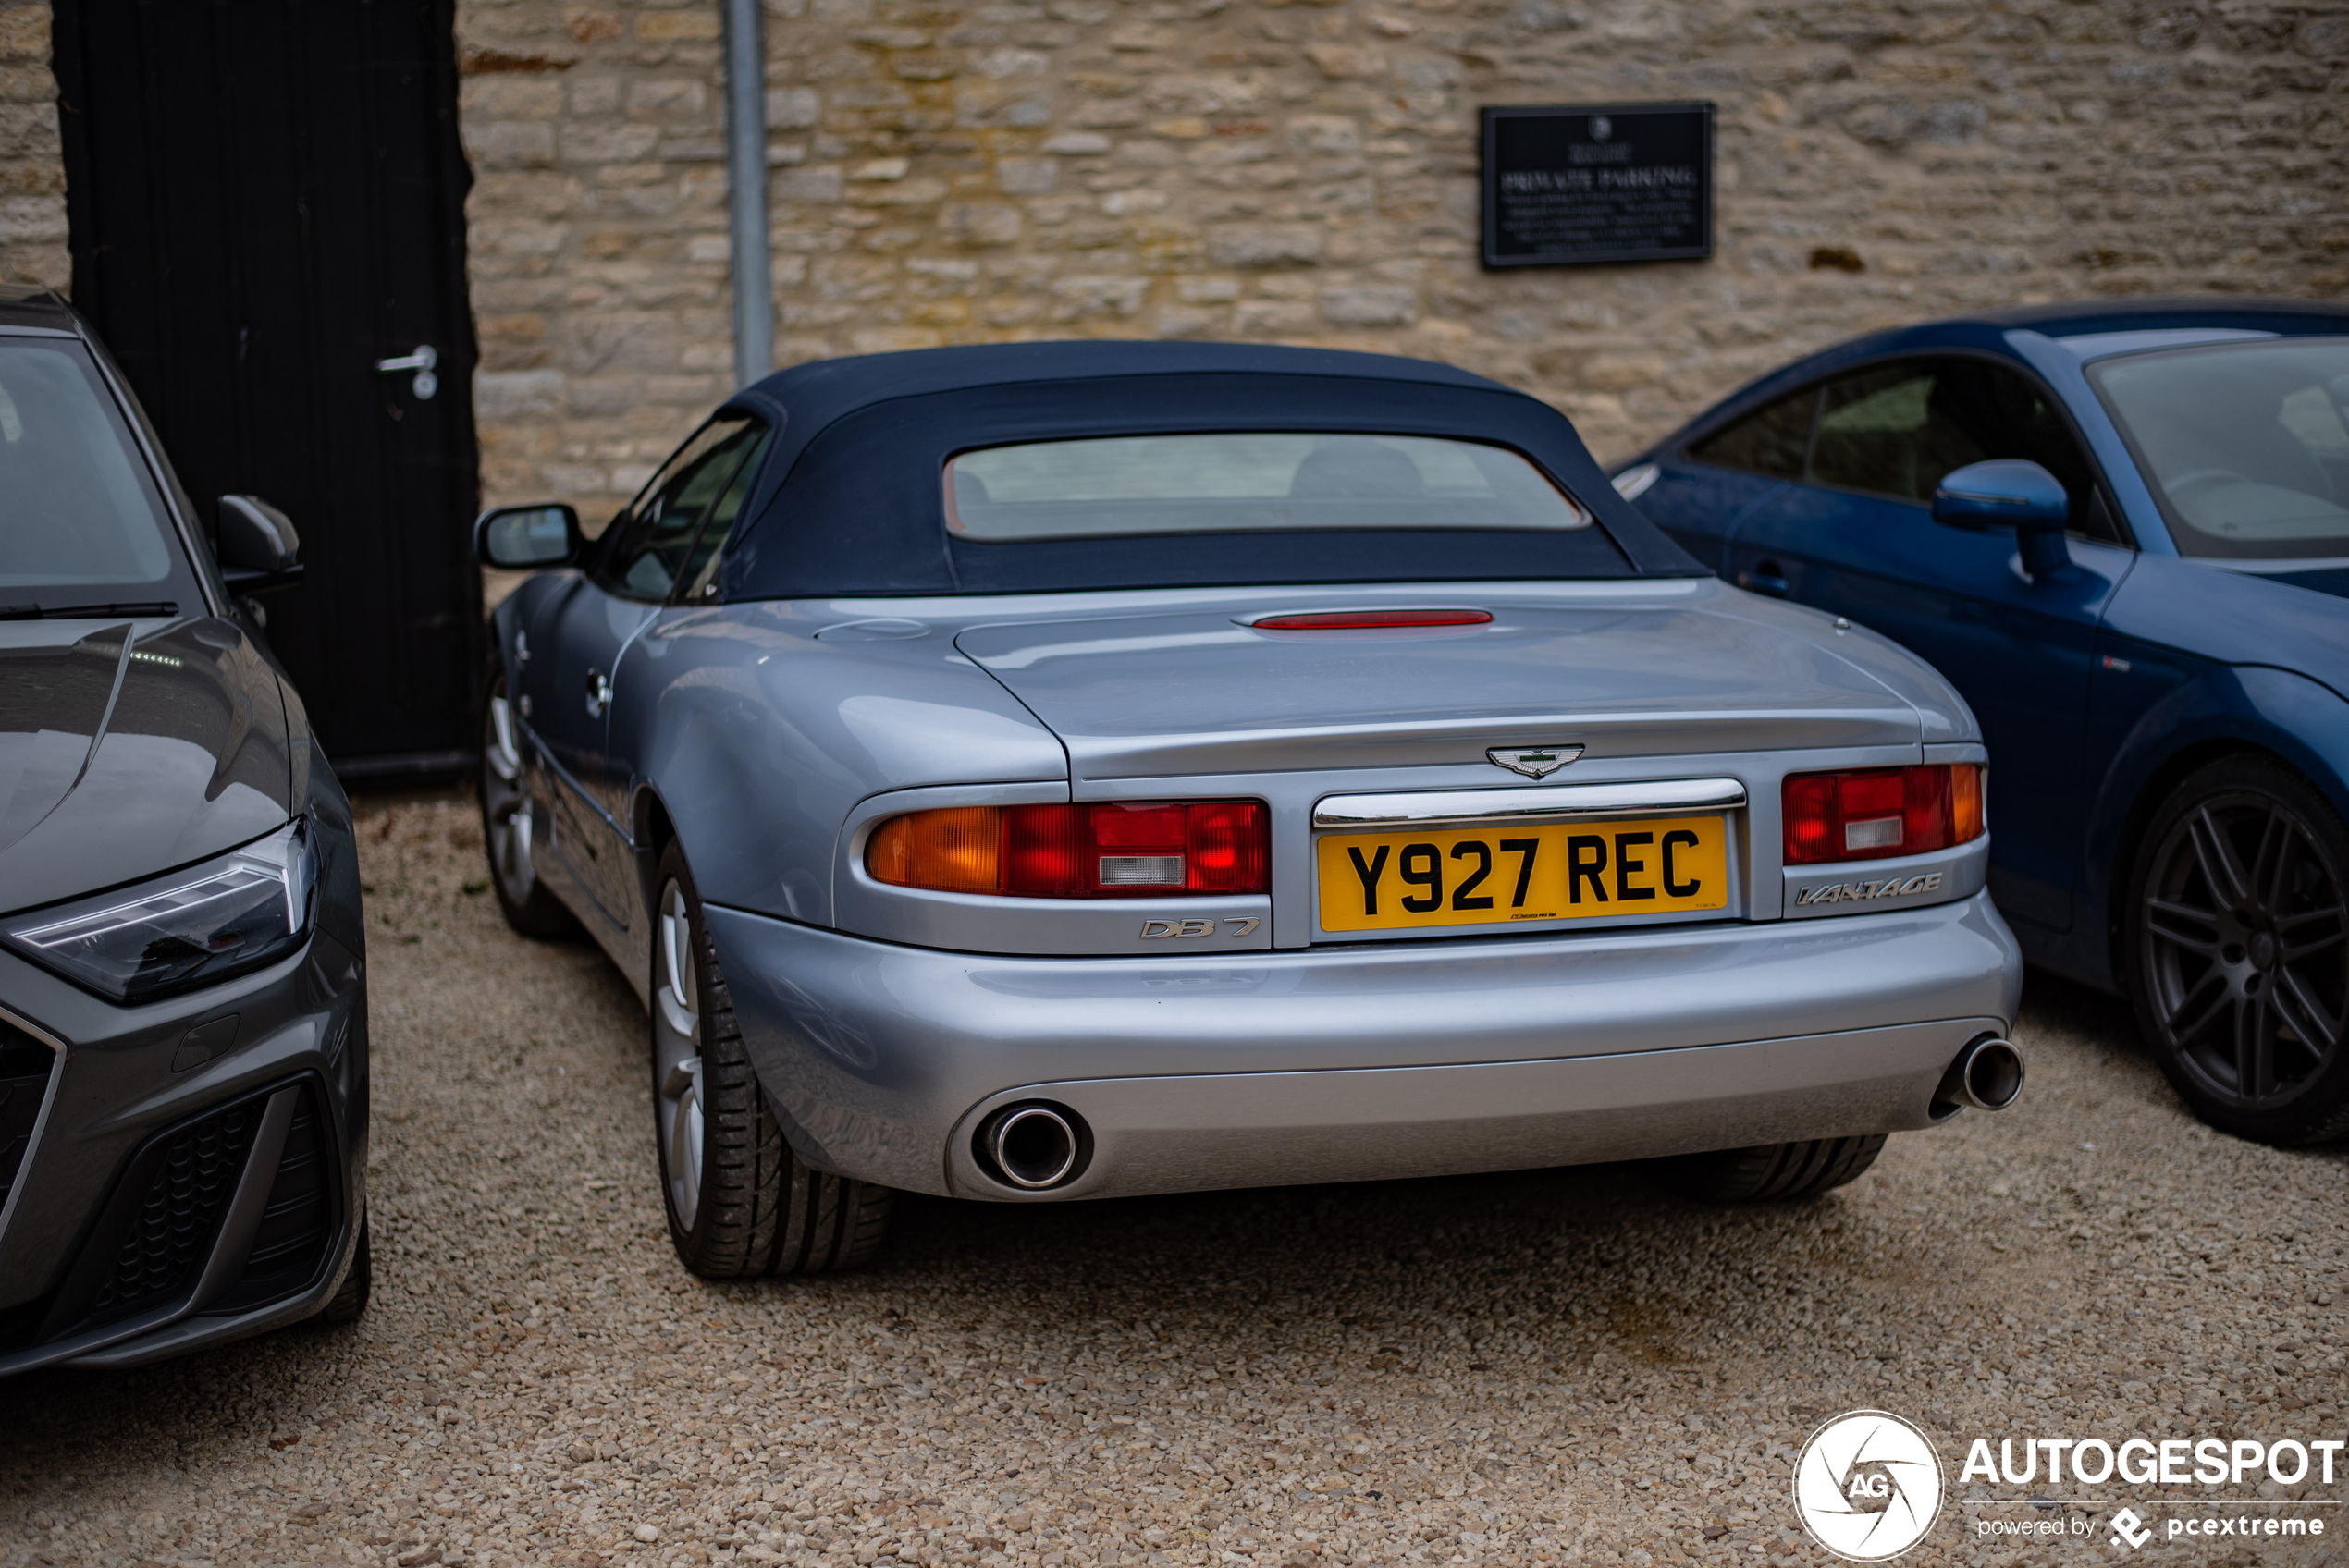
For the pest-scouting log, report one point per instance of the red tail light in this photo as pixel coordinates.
(1154, 849)
(1877, 813)
(1365, 621)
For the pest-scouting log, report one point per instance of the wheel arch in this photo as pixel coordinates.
(651, 829)
(507, 622)
(2240, 711)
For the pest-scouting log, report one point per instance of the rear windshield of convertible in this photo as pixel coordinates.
(1245, 482)
(1195, 479)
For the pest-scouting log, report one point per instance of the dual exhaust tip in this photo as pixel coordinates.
(1038, 1146)
(1035, 1147)
(1987, 1076)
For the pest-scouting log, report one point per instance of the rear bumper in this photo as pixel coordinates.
(1358, 1062)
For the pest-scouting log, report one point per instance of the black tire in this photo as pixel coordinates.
(2236, 951)
(349, 1303)
(529, 906)
(1772, 1174)
(740, 1202)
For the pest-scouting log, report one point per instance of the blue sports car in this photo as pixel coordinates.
(2122, 530)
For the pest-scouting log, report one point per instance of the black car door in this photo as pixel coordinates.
(577, 643)
(1856, 536)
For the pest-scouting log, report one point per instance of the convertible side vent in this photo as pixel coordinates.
(25, 1066)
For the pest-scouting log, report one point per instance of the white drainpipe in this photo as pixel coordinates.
(746, 191)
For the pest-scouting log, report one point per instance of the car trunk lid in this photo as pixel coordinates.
(1200, 692)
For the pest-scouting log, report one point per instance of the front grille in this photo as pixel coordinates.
(25, 1066)
(171, 1229)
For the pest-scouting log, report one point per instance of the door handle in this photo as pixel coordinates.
(1765, 577)
(598, 693)
(422, 362)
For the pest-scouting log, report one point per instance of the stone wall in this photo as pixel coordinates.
(951, 171)
(32, 169)
(597, 241)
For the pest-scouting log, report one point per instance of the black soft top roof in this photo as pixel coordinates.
(850, 501)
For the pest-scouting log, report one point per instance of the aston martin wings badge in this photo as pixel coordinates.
(1535, 762)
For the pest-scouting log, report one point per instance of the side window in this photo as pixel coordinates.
(653, 540)
(1895, 430)
(1773, 440)
(1890, 431)
(700, 573)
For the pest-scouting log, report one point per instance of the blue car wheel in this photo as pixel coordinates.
(2239, 958)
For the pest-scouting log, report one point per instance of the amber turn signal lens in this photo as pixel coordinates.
(958, 849)
(1098, 849)
(1969, 817)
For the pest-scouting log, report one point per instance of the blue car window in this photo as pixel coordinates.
(1774, 440)
(1896, 428)
(2245, 445)
(1882, 431)
(652, 541)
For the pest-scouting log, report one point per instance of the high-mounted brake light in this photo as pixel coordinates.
(1367, 620)
(1121, 850)
(1877, 813)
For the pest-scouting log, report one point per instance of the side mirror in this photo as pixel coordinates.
(2010, 493)
(254, 535)
(525, 538)
(257, 545)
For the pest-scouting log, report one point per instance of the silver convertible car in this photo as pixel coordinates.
(1071, 770)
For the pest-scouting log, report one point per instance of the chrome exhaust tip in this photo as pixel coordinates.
(1035, 1147)
(1987, 1076)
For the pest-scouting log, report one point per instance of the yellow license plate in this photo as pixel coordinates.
(1486, 875)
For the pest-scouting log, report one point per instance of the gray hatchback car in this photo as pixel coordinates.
(183, 1010)
(1062, 771)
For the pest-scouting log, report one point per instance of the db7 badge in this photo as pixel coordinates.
(1241, 925)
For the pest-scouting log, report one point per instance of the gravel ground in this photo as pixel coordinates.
(1553, 1366)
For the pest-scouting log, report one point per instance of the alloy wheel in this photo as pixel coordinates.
(2242, 928)
(506, 808)
(677, 1055)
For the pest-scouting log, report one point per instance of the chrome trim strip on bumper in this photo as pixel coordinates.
(1587, 802)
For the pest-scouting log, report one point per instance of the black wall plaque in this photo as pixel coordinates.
(1608, 182)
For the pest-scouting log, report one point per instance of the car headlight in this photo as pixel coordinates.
(230, 915)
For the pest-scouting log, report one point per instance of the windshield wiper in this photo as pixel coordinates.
(86, 612)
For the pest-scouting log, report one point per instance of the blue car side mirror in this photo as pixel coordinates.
(524, 538)
(2010, 493)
